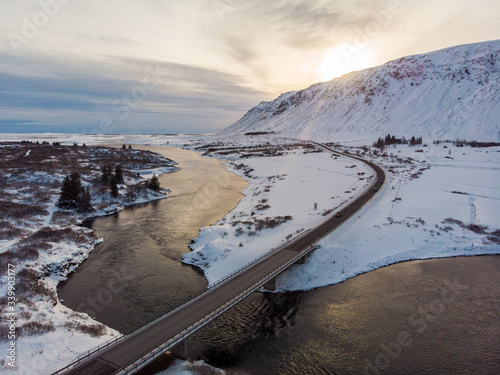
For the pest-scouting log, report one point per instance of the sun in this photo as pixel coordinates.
(343, 59)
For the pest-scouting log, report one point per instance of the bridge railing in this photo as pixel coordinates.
(89, 353)
(221, 281)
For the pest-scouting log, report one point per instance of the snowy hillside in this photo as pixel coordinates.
(440, 95)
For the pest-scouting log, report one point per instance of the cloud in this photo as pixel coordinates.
(315, 24)
(129, 93)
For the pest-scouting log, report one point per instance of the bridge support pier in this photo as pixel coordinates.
(303, 259)
(180, 350)
(270, 285)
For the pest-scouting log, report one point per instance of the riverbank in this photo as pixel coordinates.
(41, 244)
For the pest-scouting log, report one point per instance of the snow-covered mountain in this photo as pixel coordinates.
(450, 93)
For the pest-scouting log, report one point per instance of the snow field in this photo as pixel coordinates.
(282, 186)
(417, 228)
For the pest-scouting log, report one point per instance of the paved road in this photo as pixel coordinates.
(137, 344)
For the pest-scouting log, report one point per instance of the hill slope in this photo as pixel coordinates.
(445, 94)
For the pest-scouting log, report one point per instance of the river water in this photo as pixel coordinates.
(136, 274)
(419, 317)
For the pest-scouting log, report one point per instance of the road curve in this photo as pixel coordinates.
(134, 346)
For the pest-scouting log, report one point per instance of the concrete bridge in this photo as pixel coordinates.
(169, 333)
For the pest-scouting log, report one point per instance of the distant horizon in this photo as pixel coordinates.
(198, 67)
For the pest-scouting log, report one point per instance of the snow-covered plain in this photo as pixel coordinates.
(284, 188)
(436, 214)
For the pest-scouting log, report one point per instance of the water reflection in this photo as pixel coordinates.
(422, 317)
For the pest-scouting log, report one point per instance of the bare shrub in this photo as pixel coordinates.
(58, 235)
(26, 252)
(479, 229)
(25, 315)
(28, 302)
(450, 220)
(494, 239)
(95, 330)
(4, 332)
(327, 212)
(62, 217)
(262, 207)
(269, 222)
(15, 210)
(9, 231)
(29, 284)
(6, 258)
(495, 233)
(35, 328)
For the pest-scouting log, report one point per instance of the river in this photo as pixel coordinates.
(419, 317)
(136, 274)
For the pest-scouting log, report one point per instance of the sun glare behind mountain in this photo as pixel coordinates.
(343, 59)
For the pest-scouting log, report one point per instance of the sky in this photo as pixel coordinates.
(197, 66)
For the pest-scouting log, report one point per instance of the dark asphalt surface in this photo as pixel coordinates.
(135, 345)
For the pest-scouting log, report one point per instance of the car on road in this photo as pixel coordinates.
(338, 214)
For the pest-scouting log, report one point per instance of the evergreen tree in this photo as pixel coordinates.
(65, 197)
(85, 201)
(119, 174)
(153, 183)
(379, 144)
(106, 174)
(113, 185)
(70, 191)
(124, 146)
(130, 147)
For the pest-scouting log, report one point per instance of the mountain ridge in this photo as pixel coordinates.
(446, 94)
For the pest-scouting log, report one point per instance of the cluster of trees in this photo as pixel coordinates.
(38, 143)
(392, 140)
(74, 195)
(125, 146)
(112, 179)
(463, 142)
